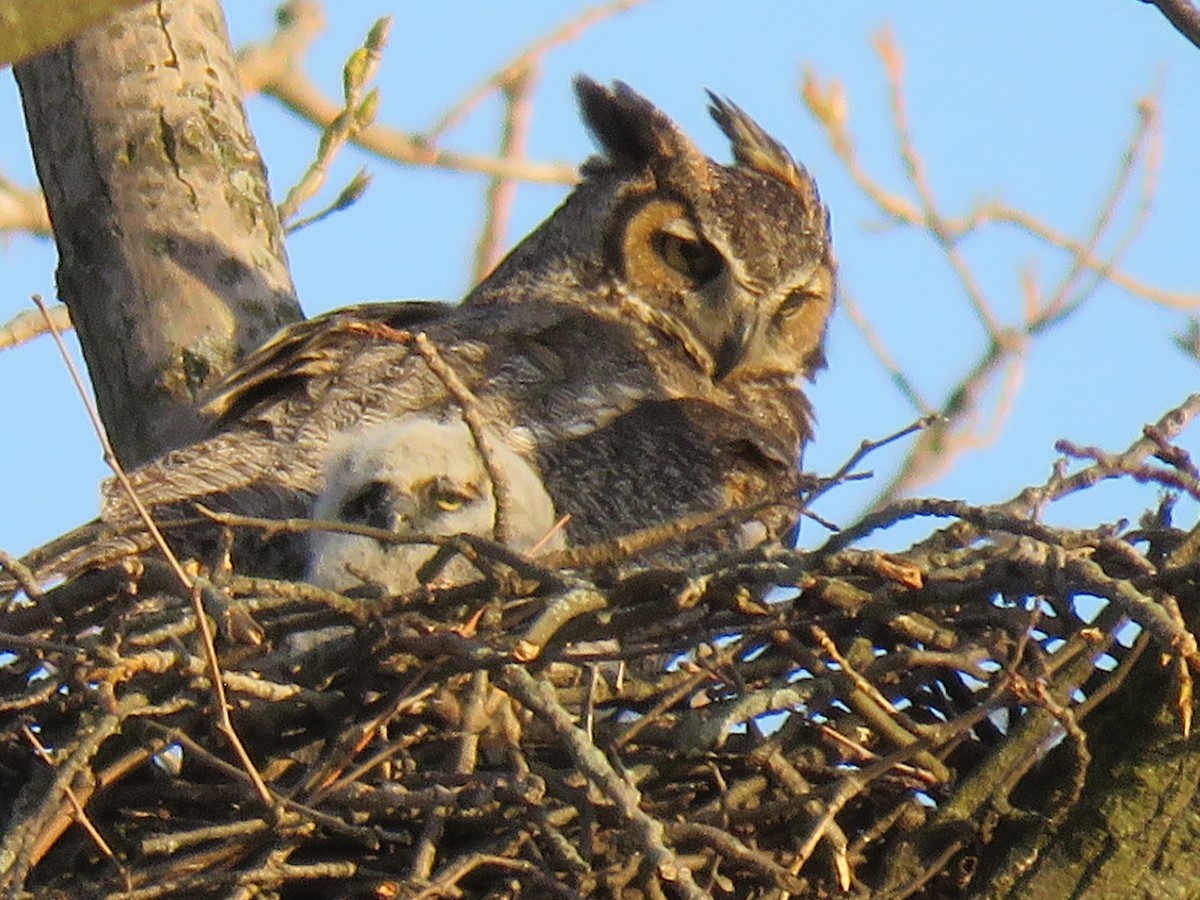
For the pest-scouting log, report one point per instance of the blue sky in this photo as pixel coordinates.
(1032, 103)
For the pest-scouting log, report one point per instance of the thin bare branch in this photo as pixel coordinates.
(874, 340)
(528, 57)
(25, 326)
(274, 69)
(1183, 14)
(893, 66)
(502, 192)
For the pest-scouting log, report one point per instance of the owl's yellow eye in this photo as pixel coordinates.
(449, 498)
(795, 301)
(814, 295)
(694, 258)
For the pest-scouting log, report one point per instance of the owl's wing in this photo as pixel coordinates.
(667, 463)
(537, 371)
(252, 462)
(312, 348)
(759, 441)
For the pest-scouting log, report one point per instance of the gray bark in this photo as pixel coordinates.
(171, 255)
(1136, 831)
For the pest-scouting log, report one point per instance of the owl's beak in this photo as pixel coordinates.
(733, 347)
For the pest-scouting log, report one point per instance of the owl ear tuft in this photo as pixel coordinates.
(755, 149)
(633, 133)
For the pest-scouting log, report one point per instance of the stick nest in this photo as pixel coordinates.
(785, 723)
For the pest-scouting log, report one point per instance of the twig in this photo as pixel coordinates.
(865, 449)
(463, 764)
(274, 69)
(468, 406)
(363, 836)
(22, 574)
(903, 383)
(81, 815)
(501, 192)
(349, 195)
(1171, 634)
(539, 698)
(525, 58)
(578, 601)
(931, 219)
(828, 106)
(729, 846)
(1002, 213)
(1060, 485)
(110, 457)
(26, 840)
(331, 778)
(1145, 142)
(939, 448)
(358, 113)
(210, 650)
(1170, 478)
(478, 545)
(27, 325)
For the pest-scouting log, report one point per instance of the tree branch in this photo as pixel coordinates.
(1183, 14)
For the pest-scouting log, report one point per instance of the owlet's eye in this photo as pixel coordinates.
(695, 259)
(451, 499)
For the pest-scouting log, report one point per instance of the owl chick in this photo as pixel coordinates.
(413, 477)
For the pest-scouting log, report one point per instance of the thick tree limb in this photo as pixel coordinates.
(171, 256)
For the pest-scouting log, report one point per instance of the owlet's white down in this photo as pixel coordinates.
(418, 476)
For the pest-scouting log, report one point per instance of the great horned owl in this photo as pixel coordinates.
(646, 344)
(420, 477)
(735, 264)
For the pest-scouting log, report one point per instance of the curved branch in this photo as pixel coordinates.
(1183, 14)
